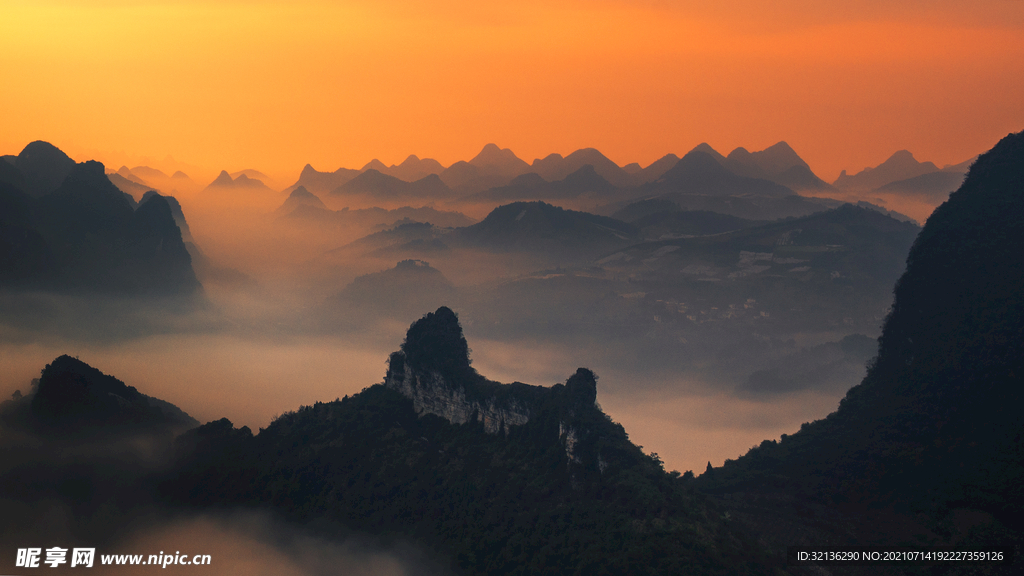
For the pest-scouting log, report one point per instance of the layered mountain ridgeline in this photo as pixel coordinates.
(375, 186)
(84, 234)
(660, 218)
(931, 440)
(584, 182)
(501, 479)
(541, 227)
(837, 265)
(71, 397)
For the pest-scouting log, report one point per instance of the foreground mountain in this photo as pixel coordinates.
(499, 478)
(931, 439)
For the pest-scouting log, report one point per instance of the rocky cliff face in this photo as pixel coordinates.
(432, 370)
(432, 393)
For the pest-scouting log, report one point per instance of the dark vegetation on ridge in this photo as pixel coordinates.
(563, 493)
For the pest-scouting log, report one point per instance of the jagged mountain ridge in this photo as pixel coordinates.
(500, 478)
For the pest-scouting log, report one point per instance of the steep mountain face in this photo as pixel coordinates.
(498, 478)
(86, 235)
(934, 428)
(900, 166)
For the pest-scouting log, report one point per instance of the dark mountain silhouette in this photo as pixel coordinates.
(86, 235)
(176, 212)
(499, 478)
(554, 167)
(541, 227)
(932, 436)
(322, 182)
(300, 197)
(701, 173)
(900, 166)
(43, 167)
(374, 185)
(73, 397)
(934, 185)
(583, 182)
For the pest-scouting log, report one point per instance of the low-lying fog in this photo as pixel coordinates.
(274, 334)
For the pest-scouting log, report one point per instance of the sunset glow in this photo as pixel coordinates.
(275, 85)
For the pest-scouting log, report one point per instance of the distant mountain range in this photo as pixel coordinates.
(901, 173)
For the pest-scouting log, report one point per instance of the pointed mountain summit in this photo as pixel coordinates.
(374, 165)
(499, 161)
(554, 167)
(900, 166)
(44, 167)
(413, 168)
(701, 173)
(483, 473)
(300, 197)
(223, 179)
(322, 182)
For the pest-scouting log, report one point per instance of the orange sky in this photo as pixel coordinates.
(274, 85)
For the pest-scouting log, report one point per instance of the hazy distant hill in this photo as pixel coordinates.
(492, 167)
(498, 478)
(583, 182)
(322, 182)
(934, 185)
(555, 167)
(404, 236)
(225, 181)
(413, 168)
(931, 439)
(372, 217)
(410, 286)
(373, 185)
(700, 173)
(900, 166)
(546, 229)
(300, 197)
